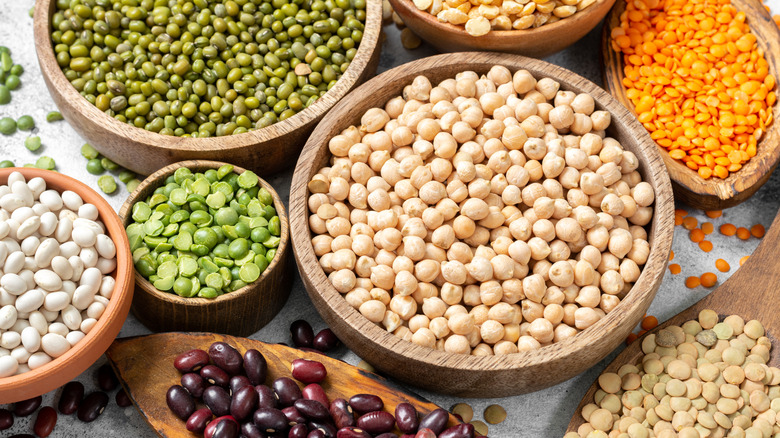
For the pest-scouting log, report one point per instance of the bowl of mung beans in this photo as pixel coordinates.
(210, 247)
(74, 298)
(153, 83)
(485, 225)
(525, 27)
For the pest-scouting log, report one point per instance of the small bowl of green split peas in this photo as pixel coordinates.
(210, 245)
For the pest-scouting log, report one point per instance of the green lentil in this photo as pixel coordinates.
(107, 184)
(7, 126)
(32, 143)
(54, 116)
(25, 123)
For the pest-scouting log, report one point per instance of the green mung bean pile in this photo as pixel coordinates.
(205, 68)
(205, 234)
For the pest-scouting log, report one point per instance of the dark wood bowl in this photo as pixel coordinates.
(538, 42)
(239, 313)
(464, 375)
(266, 151)
(713, 193)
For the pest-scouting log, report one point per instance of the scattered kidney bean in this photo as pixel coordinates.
(287, 391)
(376, 422)
(317, 433)
(122, 399)
(352, 432)
(327, 429)
(314, 391)
(255, 366)
(302, 333)
(365, 403)
(436, 421)
(194, 383)
(92, 406)
(464, 430)
(406, 418)
(238, 382)
(308, 371)
(342, 413)
(199, 420)
(250, 430)
(425, 433)
(218, 400)
(270, 420)
(267, 398)
(387, 435)
(325, 340)
(293, 415)
(226, 429)
(6, 419)
(180, 402)
(71, 397)
(215, 375)
(226, 357)
(244, 402)
(45, 422)
(210, 431)
(298, 431)
(106, 378)
(27, 407)
(312, 409)
(190, 361)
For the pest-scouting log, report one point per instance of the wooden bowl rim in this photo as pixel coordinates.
(86, 352)
(662, 225)
(51, 69)
(767, 149)
(152, 182)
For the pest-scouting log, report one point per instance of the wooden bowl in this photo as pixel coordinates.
(267, 151)
(689, 187)
(538, 42)
(239, 313)
(463, 375)
(66, 367)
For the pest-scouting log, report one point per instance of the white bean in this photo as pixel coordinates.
(13, 284)
(29, 264)
(106, 266)
(14, 262)
(10, 340)
(22, 190)
(83, 236)
(6, 298)
(38, 359)
(11, 202)
(8, 366)
(74, 337)
(69, 249)
(29, 277)
(55, 345)
(105, 246)
(39, 322)
(107, 286)
(71, 317)
(3, 251)
(30, 301)
(61, 267)
(89, 256)
(31, 339)
(58, 328)
(4, 229)
(20, 324)
(64, 229)
(88, 324)
(69, 287)
(91, 277)
(49, 315)
(87, 223)
(20, 354)
(48, 280)
(37, 186)
(22, 214)
(30, 245)
(88, 211)
(72, 200)
(28, 227)
(51, 199)
(23, 368)
(47, 250)
(83, 297)
(7, 316)
(4, 352)
(40, 209)
(77, 265)
(56, 301)
(48, 224)
(96, 309)
(15, 176)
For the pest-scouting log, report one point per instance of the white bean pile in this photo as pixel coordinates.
(55, 261)
(484, 215)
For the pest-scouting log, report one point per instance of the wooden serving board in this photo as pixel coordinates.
(144, 365)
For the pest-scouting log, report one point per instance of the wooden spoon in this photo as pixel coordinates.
(144, 365)
(752, 293)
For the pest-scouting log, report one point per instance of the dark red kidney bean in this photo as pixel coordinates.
(464, 430)
(298, 431)
(180, 402)
(210, 430)
(376, 422)
(122, 399)
(226, 429)
(226, 357)
(250, 430)
(45, 422)
(218, 400)
(92, 406)
(215, 375)
(267, 398)
(293, 415)
(238, 382)
(436, 421)
(27, 407)
(270, 420)
(317, 433)
(425, 433)
(312, 409)
(408, 435)
(328, 429)
(71, 397)
(190, 361)
(302, 333)
(308, 371)
(366, 403)
(325, 340)
(406, 417)
(6, 419)
(387, 435)
(106, 379)
(244, 403)
(352, 432)
(314, 391)
(194, 384)
(287, 391)
(199, 420)
(342, 413)
(255, 366)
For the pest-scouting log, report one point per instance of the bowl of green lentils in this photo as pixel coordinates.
(153, 82)
(210, 248)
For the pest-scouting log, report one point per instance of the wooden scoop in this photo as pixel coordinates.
(144, 365)
(752, 293)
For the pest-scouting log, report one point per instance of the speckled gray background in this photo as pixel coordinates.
(541, 414)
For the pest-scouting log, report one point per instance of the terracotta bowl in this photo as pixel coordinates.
(457, 374)
(537, 42)
(266, 151)
(239, 313)
(66, 367)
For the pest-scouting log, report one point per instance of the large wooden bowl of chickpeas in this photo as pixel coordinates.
(481, 224)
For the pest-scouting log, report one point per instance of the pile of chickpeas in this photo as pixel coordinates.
(484, 215)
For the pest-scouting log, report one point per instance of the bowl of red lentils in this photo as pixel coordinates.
(482, 225)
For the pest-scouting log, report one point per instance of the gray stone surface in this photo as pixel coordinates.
(540, 414)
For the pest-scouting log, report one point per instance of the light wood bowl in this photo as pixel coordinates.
(462, 375)
(66, 367)
(538, 43)
(266, 151)
(689, 187)
(239, 313)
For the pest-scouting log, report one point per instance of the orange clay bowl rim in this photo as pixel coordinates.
(747, 179)
(87, 351)
(50, 68)
(642, 292)
(537, 32)
(154, 181)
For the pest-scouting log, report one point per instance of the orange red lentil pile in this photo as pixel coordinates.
(698, 80)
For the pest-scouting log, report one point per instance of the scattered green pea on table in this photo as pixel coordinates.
(205, 234)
